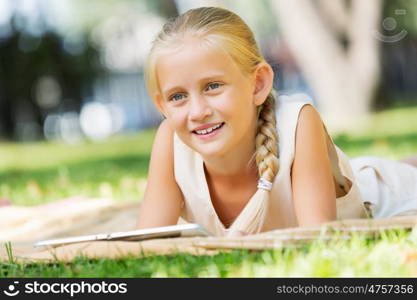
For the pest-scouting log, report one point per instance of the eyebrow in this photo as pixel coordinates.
(171, 90)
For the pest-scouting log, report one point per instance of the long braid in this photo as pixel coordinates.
(266, 152)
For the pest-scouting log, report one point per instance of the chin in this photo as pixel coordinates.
(210, 150)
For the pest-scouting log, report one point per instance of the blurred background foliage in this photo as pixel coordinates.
(75, 117)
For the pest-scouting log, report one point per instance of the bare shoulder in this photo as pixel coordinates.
(310, 137)
(310, 131)
(310, 122)
(162, 156)
(164, 133)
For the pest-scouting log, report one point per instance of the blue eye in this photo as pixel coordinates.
(213, 85)
(176, 97)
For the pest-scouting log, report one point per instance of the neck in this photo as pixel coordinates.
(235, 167)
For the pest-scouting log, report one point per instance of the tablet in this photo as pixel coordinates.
(181, 230)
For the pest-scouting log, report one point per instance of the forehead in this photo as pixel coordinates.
(192, 61)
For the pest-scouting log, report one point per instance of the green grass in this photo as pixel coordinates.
(42, 172)
(31, 174)
(390, 134)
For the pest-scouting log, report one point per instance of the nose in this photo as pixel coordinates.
(199, 109)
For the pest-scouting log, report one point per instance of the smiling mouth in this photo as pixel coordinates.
(208, 130)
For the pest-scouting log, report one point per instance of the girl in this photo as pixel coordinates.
(231, 159)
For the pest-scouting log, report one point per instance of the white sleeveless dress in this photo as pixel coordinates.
(379, 187)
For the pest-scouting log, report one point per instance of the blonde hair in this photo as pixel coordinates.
(223, 28)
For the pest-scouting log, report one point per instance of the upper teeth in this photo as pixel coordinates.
(208, 130)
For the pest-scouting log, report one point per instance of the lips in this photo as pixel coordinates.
(206, 130)
(206, 126)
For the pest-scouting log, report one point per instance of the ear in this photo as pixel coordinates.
(264, 77)
(159, 102)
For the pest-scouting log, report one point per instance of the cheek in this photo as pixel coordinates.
(229, 103)
(225, 106)
(238, 104)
